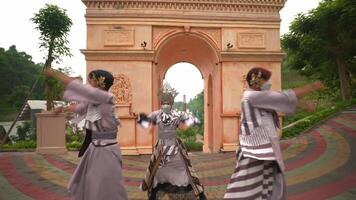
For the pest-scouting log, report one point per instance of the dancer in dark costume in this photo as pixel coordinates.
(259, 172)
(170, 169)
(99, 173)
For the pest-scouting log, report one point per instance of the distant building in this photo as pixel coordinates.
(36, 106)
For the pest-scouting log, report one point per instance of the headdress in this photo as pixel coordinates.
(167, 94)
(103, 79)
(255, 75)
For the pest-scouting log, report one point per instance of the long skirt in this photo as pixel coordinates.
(173, 176)
(256, 179)
(98, 175)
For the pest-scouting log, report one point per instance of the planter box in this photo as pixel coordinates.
(51, 133)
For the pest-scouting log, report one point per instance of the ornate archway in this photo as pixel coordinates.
(195, 48)
(224, 39)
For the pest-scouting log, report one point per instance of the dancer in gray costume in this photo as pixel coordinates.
(170, 169)
(99, 173)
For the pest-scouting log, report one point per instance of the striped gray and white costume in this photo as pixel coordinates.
(259, 172)
(169, 161)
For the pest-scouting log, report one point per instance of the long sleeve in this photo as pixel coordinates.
(153, 117)
(188, 119)
(76, 91)
(81, 108)
(285, 101)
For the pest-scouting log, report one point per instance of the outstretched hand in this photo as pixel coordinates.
(144, 120)
(301, 91)
(142, 117)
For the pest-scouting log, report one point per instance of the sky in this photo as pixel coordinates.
(16, 29)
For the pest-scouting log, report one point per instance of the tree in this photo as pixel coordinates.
(196, 106)
(18, 72)
(54, 26)
(322, 44)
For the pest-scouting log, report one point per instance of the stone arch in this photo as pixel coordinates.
(196, 49)
(222, 38)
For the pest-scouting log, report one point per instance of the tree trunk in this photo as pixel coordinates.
(48, 63)
(344, 80)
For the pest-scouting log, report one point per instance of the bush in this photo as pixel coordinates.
(74, 137)
(188, 138)
(190, 132)
(316, 118)
(29, 144)
(25, 132)
(192, 145)
(74, 145)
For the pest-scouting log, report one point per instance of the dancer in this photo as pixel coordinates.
(259, 172)
(99, 173)
(170, 169)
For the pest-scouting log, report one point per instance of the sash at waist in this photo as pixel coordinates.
(107, 135)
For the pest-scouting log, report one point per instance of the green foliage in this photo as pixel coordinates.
(25, 132)
(73, 145)
(196, 106)
(192, 145)
(300, 114)
(18, 73)
(74, 137)
(178, 105)
(54, 25)
(188, 138)
(322, 45)
(189, 133)
(292, 79)
(316, 118)
(21, 145)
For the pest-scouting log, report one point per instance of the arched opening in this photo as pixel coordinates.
(186, 78)
(189, 83)
(199, 52)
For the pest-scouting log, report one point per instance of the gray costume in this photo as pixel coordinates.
(99, 173)
(169, 162)
(259, 172)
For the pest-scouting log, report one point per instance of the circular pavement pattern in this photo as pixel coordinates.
(320, 165)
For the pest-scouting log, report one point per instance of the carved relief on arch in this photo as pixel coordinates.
(160, 33)
(122, 89)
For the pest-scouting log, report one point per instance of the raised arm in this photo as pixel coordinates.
(146, 121)
(301, 91)
(187, 120)
(285, 101)
(79, 108)
(76, 91)
(59, 76)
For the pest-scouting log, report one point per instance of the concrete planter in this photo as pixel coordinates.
(51, 133)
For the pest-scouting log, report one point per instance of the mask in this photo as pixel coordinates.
(266, 86)
(166, 108)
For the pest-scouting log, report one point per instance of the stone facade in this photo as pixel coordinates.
(139, 40)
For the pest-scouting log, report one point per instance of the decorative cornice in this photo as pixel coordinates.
(116, 55)
(148, 55)
(223, 8)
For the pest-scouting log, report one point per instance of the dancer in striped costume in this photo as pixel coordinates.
(259, 172)
(170, 169)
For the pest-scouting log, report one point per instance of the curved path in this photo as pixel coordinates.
(320, 165)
